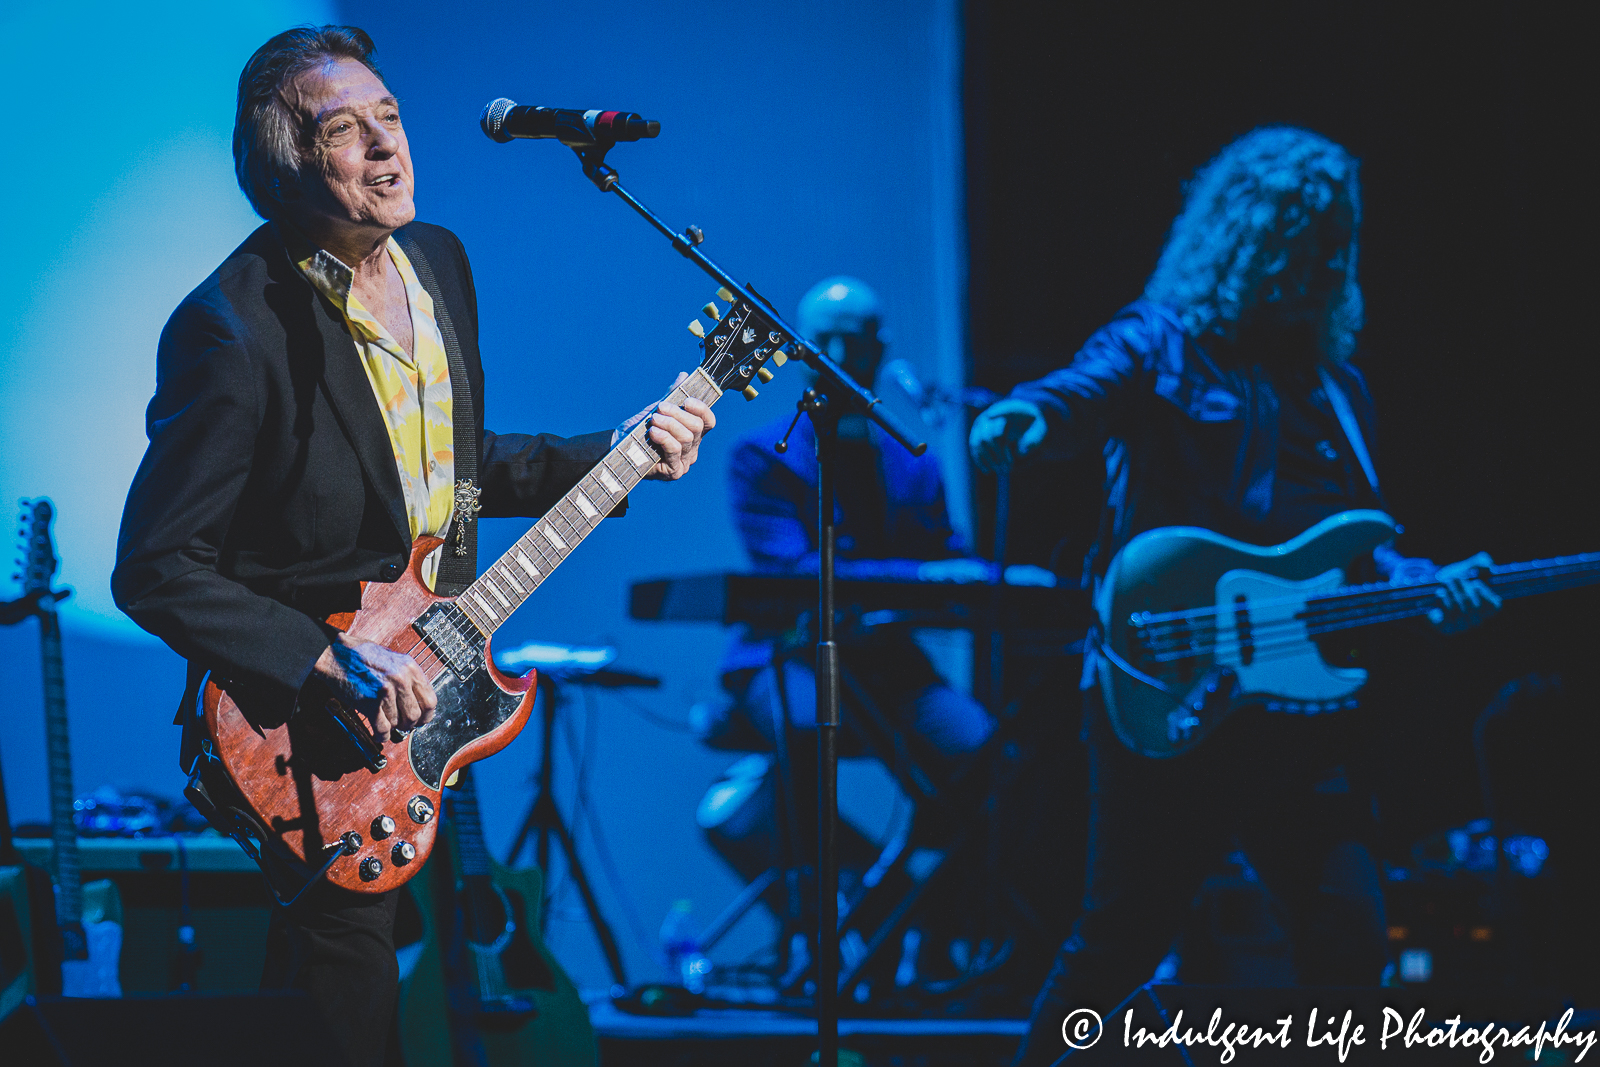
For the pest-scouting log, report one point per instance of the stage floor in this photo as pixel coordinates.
(754, 1038)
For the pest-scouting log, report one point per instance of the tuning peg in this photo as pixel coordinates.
(780, 357)
(764, 374)
(749, 392)
(697, 329)
(722, 291)
(712, 310)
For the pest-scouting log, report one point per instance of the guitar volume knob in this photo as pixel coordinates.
(382, 827)
(403, 853)
(371, 868)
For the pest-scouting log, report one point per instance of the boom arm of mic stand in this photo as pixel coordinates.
(835, 382)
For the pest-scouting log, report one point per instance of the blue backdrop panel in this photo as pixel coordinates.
(806, 138)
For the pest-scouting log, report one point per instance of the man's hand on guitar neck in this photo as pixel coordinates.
(1465, 599)
(386, 686)
(675, 432)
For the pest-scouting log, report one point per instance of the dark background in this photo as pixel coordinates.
(1473, 125)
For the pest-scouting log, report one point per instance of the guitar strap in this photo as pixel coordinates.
(458, 560)
(1352, 429)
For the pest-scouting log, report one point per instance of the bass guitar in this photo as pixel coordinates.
(325, 798)
(1196, 624)
(484, 989)
(90, 938)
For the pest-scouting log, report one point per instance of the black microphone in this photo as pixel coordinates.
(505, 119)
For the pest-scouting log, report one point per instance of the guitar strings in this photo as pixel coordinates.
(1347, 615)
(1351, 598)
(1173, 642)
(1280, 645)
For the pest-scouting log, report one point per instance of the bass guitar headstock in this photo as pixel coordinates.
(36, 556)
(739, 344)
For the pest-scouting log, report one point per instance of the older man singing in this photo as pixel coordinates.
(306, 428)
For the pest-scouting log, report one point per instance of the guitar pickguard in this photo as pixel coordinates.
(1262, 637)
(1197, 624)
(468, 709)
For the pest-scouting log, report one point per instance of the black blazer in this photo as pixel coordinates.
(269, 490)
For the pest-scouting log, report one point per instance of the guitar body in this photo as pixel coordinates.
(501, 1001)
(98, 974)
(307, 782)
(1253, 648)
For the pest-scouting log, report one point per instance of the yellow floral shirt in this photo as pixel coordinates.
(413, 391)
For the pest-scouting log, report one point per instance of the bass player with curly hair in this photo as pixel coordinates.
(1225, 398)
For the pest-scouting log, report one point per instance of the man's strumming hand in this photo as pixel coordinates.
(384, 685)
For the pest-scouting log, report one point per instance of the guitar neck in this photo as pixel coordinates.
(472, 853)
(510, 580)
(1368, 605)
(69, 896)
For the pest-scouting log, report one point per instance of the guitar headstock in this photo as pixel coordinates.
(739, 345)
(36, 558)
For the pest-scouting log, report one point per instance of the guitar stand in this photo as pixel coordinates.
(544, 818)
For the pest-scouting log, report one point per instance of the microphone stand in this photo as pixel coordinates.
(835, 393)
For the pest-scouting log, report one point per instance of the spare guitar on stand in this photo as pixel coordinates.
(90, 938)
(485, 991)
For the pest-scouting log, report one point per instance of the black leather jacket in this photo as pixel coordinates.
(1189, 441)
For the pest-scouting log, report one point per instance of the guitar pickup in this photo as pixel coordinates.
(451, 636)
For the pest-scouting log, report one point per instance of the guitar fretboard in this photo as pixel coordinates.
(1366, 605)
(473, 853)
(510, 580)
(1178, 635)
(63, 832)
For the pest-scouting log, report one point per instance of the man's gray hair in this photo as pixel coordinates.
(268, 141)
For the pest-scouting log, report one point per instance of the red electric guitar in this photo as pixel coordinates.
(324, 797)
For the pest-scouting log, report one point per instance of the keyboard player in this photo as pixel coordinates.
(891, 523)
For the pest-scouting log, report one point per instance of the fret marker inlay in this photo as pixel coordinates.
(635, 453)
(609, 480)
(554, 538)
(588, 509)
(479, 597)
(527, 564)
(498, 595)
(511, 579)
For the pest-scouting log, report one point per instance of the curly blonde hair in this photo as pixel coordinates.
(1269, 224)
